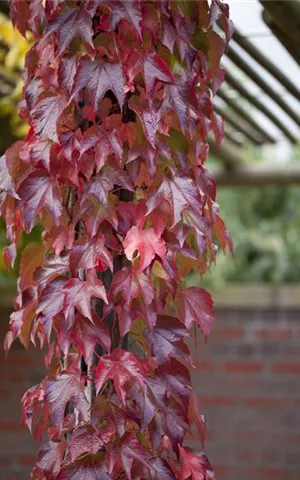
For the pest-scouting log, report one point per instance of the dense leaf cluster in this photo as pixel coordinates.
(118, 97)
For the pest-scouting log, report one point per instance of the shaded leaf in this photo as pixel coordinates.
(195, 305)
(66, 387)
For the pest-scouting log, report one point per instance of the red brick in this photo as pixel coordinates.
(273, 473)
(205, 366)
(243, 367)
(229, 332)
(275, 334)
(217, 401)
(289, 368)
(10, 426)
(4, 393)
(268, 402)
(28, 460)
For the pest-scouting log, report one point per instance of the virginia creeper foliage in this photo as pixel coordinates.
(118, 98)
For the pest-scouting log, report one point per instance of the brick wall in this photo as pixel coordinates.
(248, 381)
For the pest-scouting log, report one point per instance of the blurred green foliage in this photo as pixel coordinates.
(265, 225)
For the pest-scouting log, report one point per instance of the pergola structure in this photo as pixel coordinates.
(283, 19)
(241, 124)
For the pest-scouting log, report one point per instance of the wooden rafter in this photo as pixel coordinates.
(236, 58)
(258, 176)
(253, 135)
(260, 58)
(246, 116)
(239, 87)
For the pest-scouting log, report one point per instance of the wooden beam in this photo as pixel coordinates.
(258, 80)
(239, 87)
(292, 47)
(286, 14)
(251, 134)
(258, 176)
(266, 63)
(232, 157)
(230, 136)
(246, 116)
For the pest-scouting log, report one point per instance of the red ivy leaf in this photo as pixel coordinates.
(86, 335)
(19, 14)
(89, 467)
(39, 190)
(121, 367)
(151, 66)
(179, 192)
(167, 340)
(195, 305)
(194, 467)
(98, 78)
(147, 243)
(50, 457)
(100, 185)
(72, 23)
(128, 11)
(66, 387)
(88, 254)
(84, 439)
(32, 257)
(128, 450)
(78, 294)
(45, 115)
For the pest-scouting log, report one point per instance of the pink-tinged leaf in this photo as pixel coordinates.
(51, 302)
(195, 417)
(54, 266)
(84, 440)
(179, 192)
(194, 467)
(86, 335)
(151, 66)
(100, 185)
(216, 51)
(66, 72)
(150, 119)
(223, 235)
(88, 467)
(98, 78)
(161, 469)
(195, 305)
(129, 283)
(87, 255)
(121, 367)
(19, 14)
(66, 387)
(217, 123)
(72, 23)
(181, 98)
(147, 243)
(104, 144)
(120, 10)
(78, 294)
(21, 320)
(124, 454)
(9, 256)
(32, 258)
(39, 190)
(35, 151)
(6, 181)
(50, 457)
(167, 340)
(131, 294)
(45, 115)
